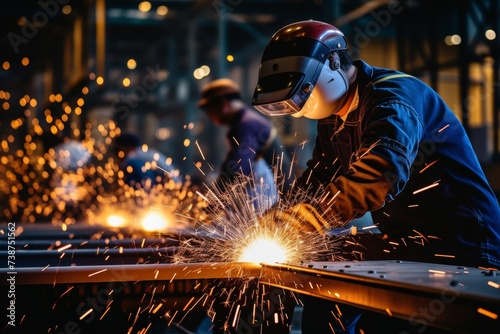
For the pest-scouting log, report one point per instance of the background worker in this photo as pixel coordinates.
(254, 150)
(386, 144)
(251, 137)
(69, 160)
(142, 167)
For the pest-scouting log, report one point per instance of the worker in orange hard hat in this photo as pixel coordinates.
(251, 136)
(255, 149)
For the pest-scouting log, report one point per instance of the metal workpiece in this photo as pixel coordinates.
(55, 267)
(132, 273)
(453, 298)
(449, 297)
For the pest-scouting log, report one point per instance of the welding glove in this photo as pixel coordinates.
(303, 217)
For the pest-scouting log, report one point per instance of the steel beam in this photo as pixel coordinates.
(130, 273)
(459, 299)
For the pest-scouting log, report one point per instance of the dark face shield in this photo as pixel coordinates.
(287, 76)
(276, 95)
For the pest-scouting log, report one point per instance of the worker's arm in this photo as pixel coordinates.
(302, 217)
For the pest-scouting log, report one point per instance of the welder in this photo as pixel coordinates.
(254, 144)
(386, 144)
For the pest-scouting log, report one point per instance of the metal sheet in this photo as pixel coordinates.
(130, 273)
(449, 297)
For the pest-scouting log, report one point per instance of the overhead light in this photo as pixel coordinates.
(145, 6)
(490, 34)
(201, 72)
(452, 40)
(66, 9)
(131, 64)
(162, 10)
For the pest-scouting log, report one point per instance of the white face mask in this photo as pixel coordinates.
(328, 95)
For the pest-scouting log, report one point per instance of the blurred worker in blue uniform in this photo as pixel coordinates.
(143, 166)
(69, 160)
(255, 151)
(254, 143)
(386, 144)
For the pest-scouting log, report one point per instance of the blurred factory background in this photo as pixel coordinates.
(82, 69)
(86, 70)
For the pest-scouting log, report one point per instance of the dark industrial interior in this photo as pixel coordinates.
(85, 70)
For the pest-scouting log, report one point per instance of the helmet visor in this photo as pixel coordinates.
(281, 89)
(274, 94)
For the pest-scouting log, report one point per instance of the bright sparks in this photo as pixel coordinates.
(116, 221)
(242, 225)
(264, 250)
(154, 222)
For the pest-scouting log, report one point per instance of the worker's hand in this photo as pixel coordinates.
(303, 217)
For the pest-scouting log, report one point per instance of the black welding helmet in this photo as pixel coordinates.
(300, 72)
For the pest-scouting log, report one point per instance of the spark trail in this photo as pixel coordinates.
(242, 212)
(240, 224)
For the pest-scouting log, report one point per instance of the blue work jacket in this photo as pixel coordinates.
(251, 137)
(405, 157)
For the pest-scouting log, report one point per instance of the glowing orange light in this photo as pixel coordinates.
(115, 221)
(162, 10)
(264, 250)
(131, 64)
(487, 313)
(66, 9)
(154, 222)
(145, 6)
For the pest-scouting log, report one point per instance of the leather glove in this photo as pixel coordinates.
(303, 217)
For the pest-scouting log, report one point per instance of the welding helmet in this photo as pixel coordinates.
(300, 72)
